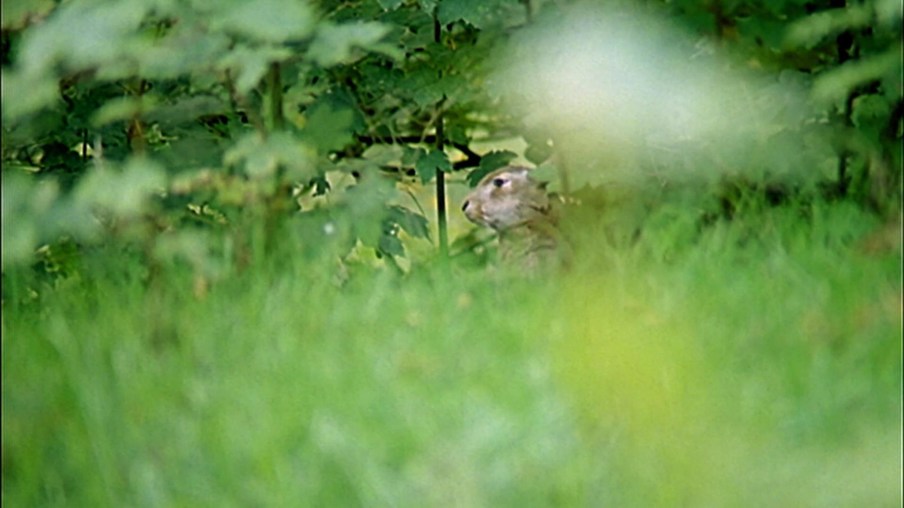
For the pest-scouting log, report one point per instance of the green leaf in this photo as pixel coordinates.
(82, 35)
(47, 124)
(262, 157)
(335, 44)
(250, 64)
(192, 245)
(496, 159)
(266, 20)
(22, 94)
(183, 50)
(429, 164)
(411, 154)
(186, 109)
(195, 148)
(870, 114)
(479, 13)
(329, 127)
(414, 224)
(837, 83)
(538, 153)
(890, 12)
(22, 209)
(125, 193)
(123, 108)
(390, 244)
(489, 163)
(365, 203)
(769, 31)
(810, 30)
(382, 155)
(422, 85)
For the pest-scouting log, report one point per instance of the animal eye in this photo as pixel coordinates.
(498, 182)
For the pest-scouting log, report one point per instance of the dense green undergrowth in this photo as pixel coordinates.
(745, 362)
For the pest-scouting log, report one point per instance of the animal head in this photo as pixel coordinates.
(507, 198)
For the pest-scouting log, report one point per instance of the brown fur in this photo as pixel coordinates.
(509, 201)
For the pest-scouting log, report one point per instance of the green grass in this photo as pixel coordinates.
(755, 362)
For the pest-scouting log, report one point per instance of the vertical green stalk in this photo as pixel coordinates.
(440, 145)
(441, 194)
(279, 203)
(278, 121)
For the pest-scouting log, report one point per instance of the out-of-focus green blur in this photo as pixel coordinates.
(685, 369)
(624, 93)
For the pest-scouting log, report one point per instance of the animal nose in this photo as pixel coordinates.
(464, 206)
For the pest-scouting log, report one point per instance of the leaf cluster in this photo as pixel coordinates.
(249, 112)
(133, 121)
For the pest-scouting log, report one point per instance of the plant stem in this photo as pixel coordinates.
(440, 145)
(276, 98)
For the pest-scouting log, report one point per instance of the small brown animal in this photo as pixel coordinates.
(519, 209)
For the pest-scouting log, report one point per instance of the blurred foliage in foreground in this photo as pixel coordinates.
(198, 198)
(739, 366)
